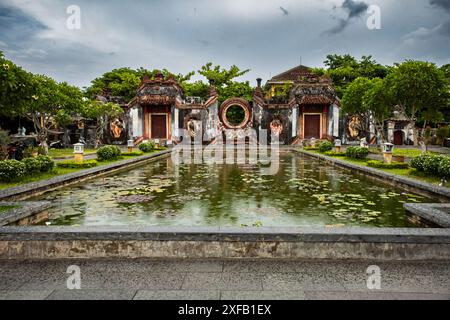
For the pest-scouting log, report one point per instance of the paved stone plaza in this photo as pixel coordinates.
(218, 279)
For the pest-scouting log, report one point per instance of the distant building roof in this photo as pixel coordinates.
(293, 74)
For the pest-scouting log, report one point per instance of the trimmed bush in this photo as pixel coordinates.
(11, 170)
(325, 146)
(147, 147)
(32, 166)
(132, 154)
(108, 153)
(71, 164)
(382, 165)
(310, 149)
(357, 153)
(427, 163)
(335, 154)
(444, 168)
(47, 164)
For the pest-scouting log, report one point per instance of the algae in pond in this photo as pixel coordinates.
(304, 192)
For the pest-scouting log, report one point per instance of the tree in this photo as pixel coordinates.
(224, 81)
(419, 88)
(344, 69)
(376, 102)
(121, 82)
(366, 98)
(16, 88)
(100, 112)
(195, 89)
(446, 111)
(52, 106)
(352, 102)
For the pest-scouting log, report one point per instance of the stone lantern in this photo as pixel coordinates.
(313, 142)
(130, 144)
(338, 145)
(388, 149)
(78, 151)
(363, 143)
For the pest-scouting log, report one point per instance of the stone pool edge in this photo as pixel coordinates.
(224, 243)
(36, 188)
(423, 188)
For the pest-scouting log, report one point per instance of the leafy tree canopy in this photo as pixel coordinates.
(16, 88)
(344, 69)
(419, 88)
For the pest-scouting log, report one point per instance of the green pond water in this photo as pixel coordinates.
(304, 192)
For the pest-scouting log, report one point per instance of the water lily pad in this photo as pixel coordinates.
(131, 199)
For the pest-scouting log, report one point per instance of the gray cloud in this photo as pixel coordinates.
(183, 35)
(18, 27)
(354, 9)
(444, 4)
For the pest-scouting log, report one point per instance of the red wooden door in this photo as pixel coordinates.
(312, 126)
(159, 126)
(398, 138)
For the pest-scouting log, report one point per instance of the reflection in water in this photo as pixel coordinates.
(304, 192)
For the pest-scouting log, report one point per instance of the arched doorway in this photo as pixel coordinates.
(399, 137)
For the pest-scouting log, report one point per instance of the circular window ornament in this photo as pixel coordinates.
(235, 113)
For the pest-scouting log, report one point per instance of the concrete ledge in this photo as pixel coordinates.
(36, 188)
(154, 242)
(22, 211)
(437, 213)
(424, 188)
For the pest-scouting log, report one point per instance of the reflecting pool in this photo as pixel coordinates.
(304, 192)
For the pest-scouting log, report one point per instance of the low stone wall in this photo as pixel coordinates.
(24, 213)
(437, 213)
(426, 189)
(36, 188)
(280, 243)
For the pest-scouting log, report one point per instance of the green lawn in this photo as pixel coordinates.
(61, 153)
(409, 153)
(6, 208)
(49, 175)
(409, 173)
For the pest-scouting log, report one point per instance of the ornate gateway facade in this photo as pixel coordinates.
(307, 108)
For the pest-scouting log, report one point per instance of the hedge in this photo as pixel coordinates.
(357, 153)
(47, 163)
(335, 154)
(71, 164)
(382, 165)
(310, 149)
(132, 154)
(432, 164)
(444, 168)
(11, 170)
(147, 147)
(325, 146)
(108, 153)
(32, 165)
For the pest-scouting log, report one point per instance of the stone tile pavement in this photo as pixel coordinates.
(222, 279)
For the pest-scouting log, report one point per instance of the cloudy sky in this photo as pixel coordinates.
(266, 36)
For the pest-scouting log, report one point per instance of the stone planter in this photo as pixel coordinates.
(399, 158)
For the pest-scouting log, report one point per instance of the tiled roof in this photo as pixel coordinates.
(293, 74)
